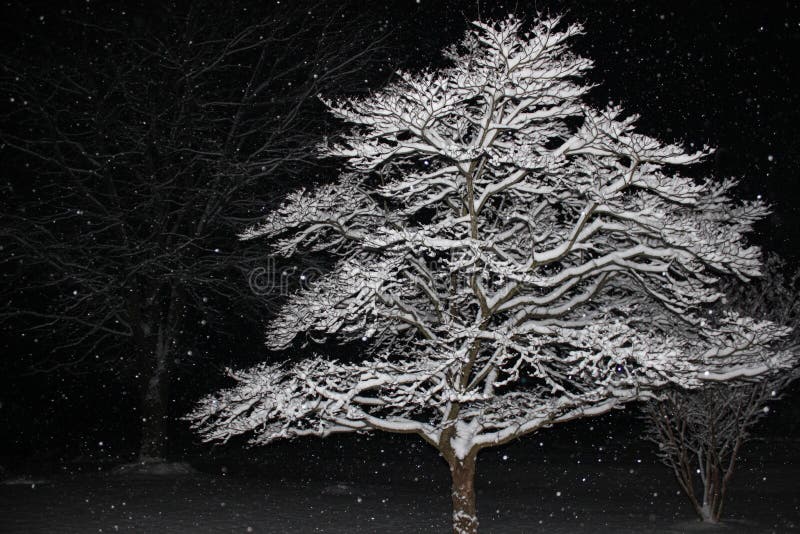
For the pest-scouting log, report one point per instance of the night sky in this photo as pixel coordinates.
(725, 74)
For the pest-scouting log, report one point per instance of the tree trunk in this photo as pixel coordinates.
(712, 505)
(155, 408)
(710, 512)
(465, 515)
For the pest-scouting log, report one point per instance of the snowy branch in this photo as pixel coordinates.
(509, 257)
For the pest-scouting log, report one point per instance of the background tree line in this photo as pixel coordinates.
(137, 145)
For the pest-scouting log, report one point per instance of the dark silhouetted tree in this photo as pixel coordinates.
(142, 142)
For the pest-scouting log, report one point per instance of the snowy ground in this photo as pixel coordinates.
(554, 497)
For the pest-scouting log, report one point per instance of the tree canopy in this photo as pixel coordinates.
(507, 258)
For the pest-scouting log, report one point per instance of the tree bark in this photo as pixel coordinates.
(711, 510)
(465, 514)
(155, 408)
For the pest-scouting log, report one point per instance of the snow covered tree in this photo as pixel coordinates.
(700, 433)
(508, 258)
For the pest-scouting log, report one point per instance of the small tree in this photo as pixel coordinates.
(500, 244)
(700, 433)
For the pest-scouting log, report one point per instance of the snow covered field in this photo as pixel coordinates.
(557, 497)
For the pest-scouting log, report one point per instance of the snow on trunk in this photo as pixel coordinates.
(465, 513)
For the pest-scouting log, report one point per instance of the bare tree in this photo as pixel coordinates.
(498, 244)
(143, 142)
(700, 433)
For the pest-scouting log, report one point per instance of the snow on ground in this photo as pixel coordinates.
(23, 481)
(154, 468)
(556, 498)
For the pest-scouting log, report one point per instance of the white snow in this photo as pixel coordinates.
(510, 500)
(558, 246)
